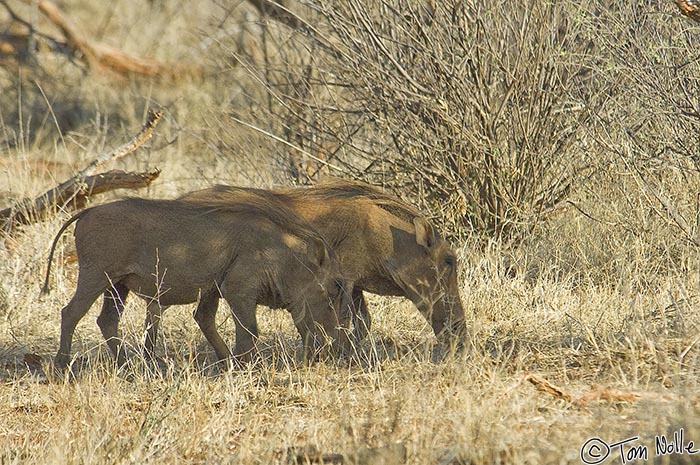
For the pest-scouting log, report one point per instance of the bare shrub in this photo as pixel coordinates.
(474, 109)
(636, 222)
(652, 120)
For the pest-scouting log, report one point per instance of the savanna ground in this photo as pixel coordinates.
(556, 143)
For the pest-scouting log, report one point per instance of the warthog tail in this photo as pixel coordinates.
(45, 289)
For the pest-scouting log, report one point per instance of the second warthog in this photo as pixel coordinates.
(169, 252)
(385, 247)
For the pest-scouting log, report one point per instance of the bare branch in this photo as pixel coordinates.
(146, 131)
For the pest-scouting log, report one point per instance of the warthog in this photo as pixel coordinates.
(384, 246)
(169, 252)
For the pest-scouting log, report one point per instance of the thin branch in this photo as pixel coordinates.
(144, 134)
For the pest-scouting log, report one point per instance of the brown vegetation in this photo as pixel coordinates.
(555, 143)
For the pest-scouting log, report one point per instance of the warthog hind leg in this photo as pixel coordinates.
(90, 286)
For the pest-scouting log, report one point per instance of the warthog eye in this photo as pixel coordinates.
(449, 262)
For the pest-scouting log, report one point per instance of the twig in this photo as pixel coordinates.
(144, 134)
(288, 144)
(689, 348)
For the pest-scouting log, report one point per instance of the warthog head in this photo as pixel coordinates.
(433, 283)
(318, 300)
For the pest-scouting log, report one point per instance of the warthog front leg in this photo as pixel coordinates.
(108, 320)
(309, 330)
(243, 311)
(360, 317)
(205, 316)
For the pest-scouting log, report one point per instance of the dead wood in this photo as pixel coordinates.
(72, 195)
(596, 393)
(543, 385)
(74, 192)
(97, 57)
(143, 135)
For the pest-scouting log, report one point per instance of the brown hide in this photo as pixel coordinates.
(384, 246)
(250, 251)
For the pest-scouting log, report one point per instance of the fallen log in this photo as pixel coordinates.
(74, 193)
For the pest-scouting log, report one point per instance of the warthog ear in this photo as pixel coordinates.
(425, 235)
(317, 252)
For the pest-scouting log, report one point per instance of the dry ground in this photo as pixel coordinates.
(607, 316)
(478, 407)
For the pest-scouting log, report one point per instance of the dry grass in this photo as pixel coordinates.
(589, 328)
(620, 364)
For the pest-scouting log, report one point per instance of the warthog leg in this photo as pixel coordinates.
(154, 312)
(205, 316)
(243, 310)
(90, 286)
(108, 320)
(309, 329)
(359, 316)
